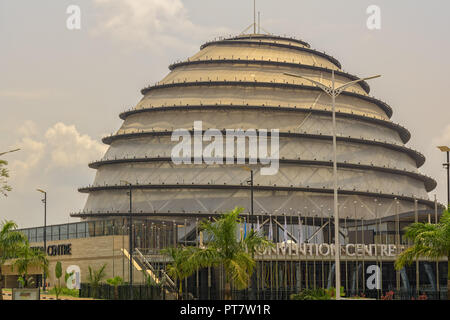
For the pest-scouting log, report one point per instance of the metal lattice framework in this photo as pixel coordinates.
(240, 83)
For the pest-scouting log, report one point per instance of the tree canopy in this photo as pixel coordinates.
(4, 175)
(224, 248)
(429, 241)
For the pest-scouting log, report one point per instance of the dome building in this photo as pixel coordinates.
(188, 149)
(239, 83)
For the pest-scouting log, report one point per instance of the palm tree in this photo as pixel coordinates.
(95, 277)
(226, 249)
(430, 241)
(178, 269)
(29, 257)
(10, 240)
(115, 282)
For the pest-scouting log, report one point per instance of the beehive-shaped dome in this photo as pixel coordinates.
(239, 83)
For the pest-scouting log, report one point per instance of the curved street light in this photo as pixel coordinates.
(45, 229)
(130, 238)
(446, 165)
(250, 183)
(10, 151)
(333, 92)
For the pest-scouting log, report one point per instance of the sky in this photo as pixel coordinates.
(62, 90)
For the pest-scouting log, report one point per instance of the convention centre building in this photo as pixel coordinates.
(243, 85)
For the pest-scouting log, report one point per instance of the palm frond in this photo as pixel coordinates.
(4, 174)
(223, 248)
(184, 261)
(255, 241)
(100, 274)
(10, 240)
(29, 257)
(429, 241)
(240, 269)
(405, 258)
(415, 229)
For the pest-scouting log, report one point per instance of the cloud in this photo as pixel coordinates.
(34, 152)
(62, 147)
(28, 129)
(68, 148)
(55, 159)
(151, 23)
(444, 138)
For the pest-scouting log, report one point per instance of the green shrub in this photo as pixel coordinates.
(65, 292)
(311, 294)
(95, 278)
(316, 294)
(115, 282)
(332, 292)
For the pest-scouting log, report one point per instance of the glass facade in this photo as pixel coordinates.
(147, 233)
(278, 276)
(74, 230)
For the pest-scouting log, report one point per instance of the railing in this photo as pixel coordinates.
(107, 292)
(165, 279)
(145, 292)
(421, 295)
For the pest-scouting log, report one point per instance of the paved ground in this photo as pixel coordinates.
(7, 296)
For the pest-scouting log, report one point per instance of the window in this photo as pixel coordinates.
(99, 228)
(39, 234)
(72, 230)
(26, 233)
(48, 232)
(32, 235)
(82, 231)
(63, 232)
(91, 229)
(55, 233)
(108, 227)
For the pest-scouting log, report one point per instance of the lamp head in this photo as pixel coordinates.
(373, 77)
(40, 190)
(444, 148)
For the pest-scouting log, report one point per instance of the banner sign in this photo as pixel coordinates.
(327, 250)
(57, 250)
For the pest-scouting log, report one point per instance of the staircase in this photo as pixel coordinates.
(155, 271)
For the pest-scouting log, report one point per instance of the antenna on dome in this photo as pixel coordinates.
(254, 16)
(255, 22)
(259, 22)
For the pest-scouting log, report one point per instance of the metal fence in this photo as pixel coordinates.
(107, 292)
(421, 295)
(144, 292)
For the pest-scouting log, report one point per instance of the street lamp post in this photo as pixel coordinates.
(251, 196)
(333, 92)
(252, 281)
(130, 238)
(250, 182)
(447, 165)
(45, 229)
